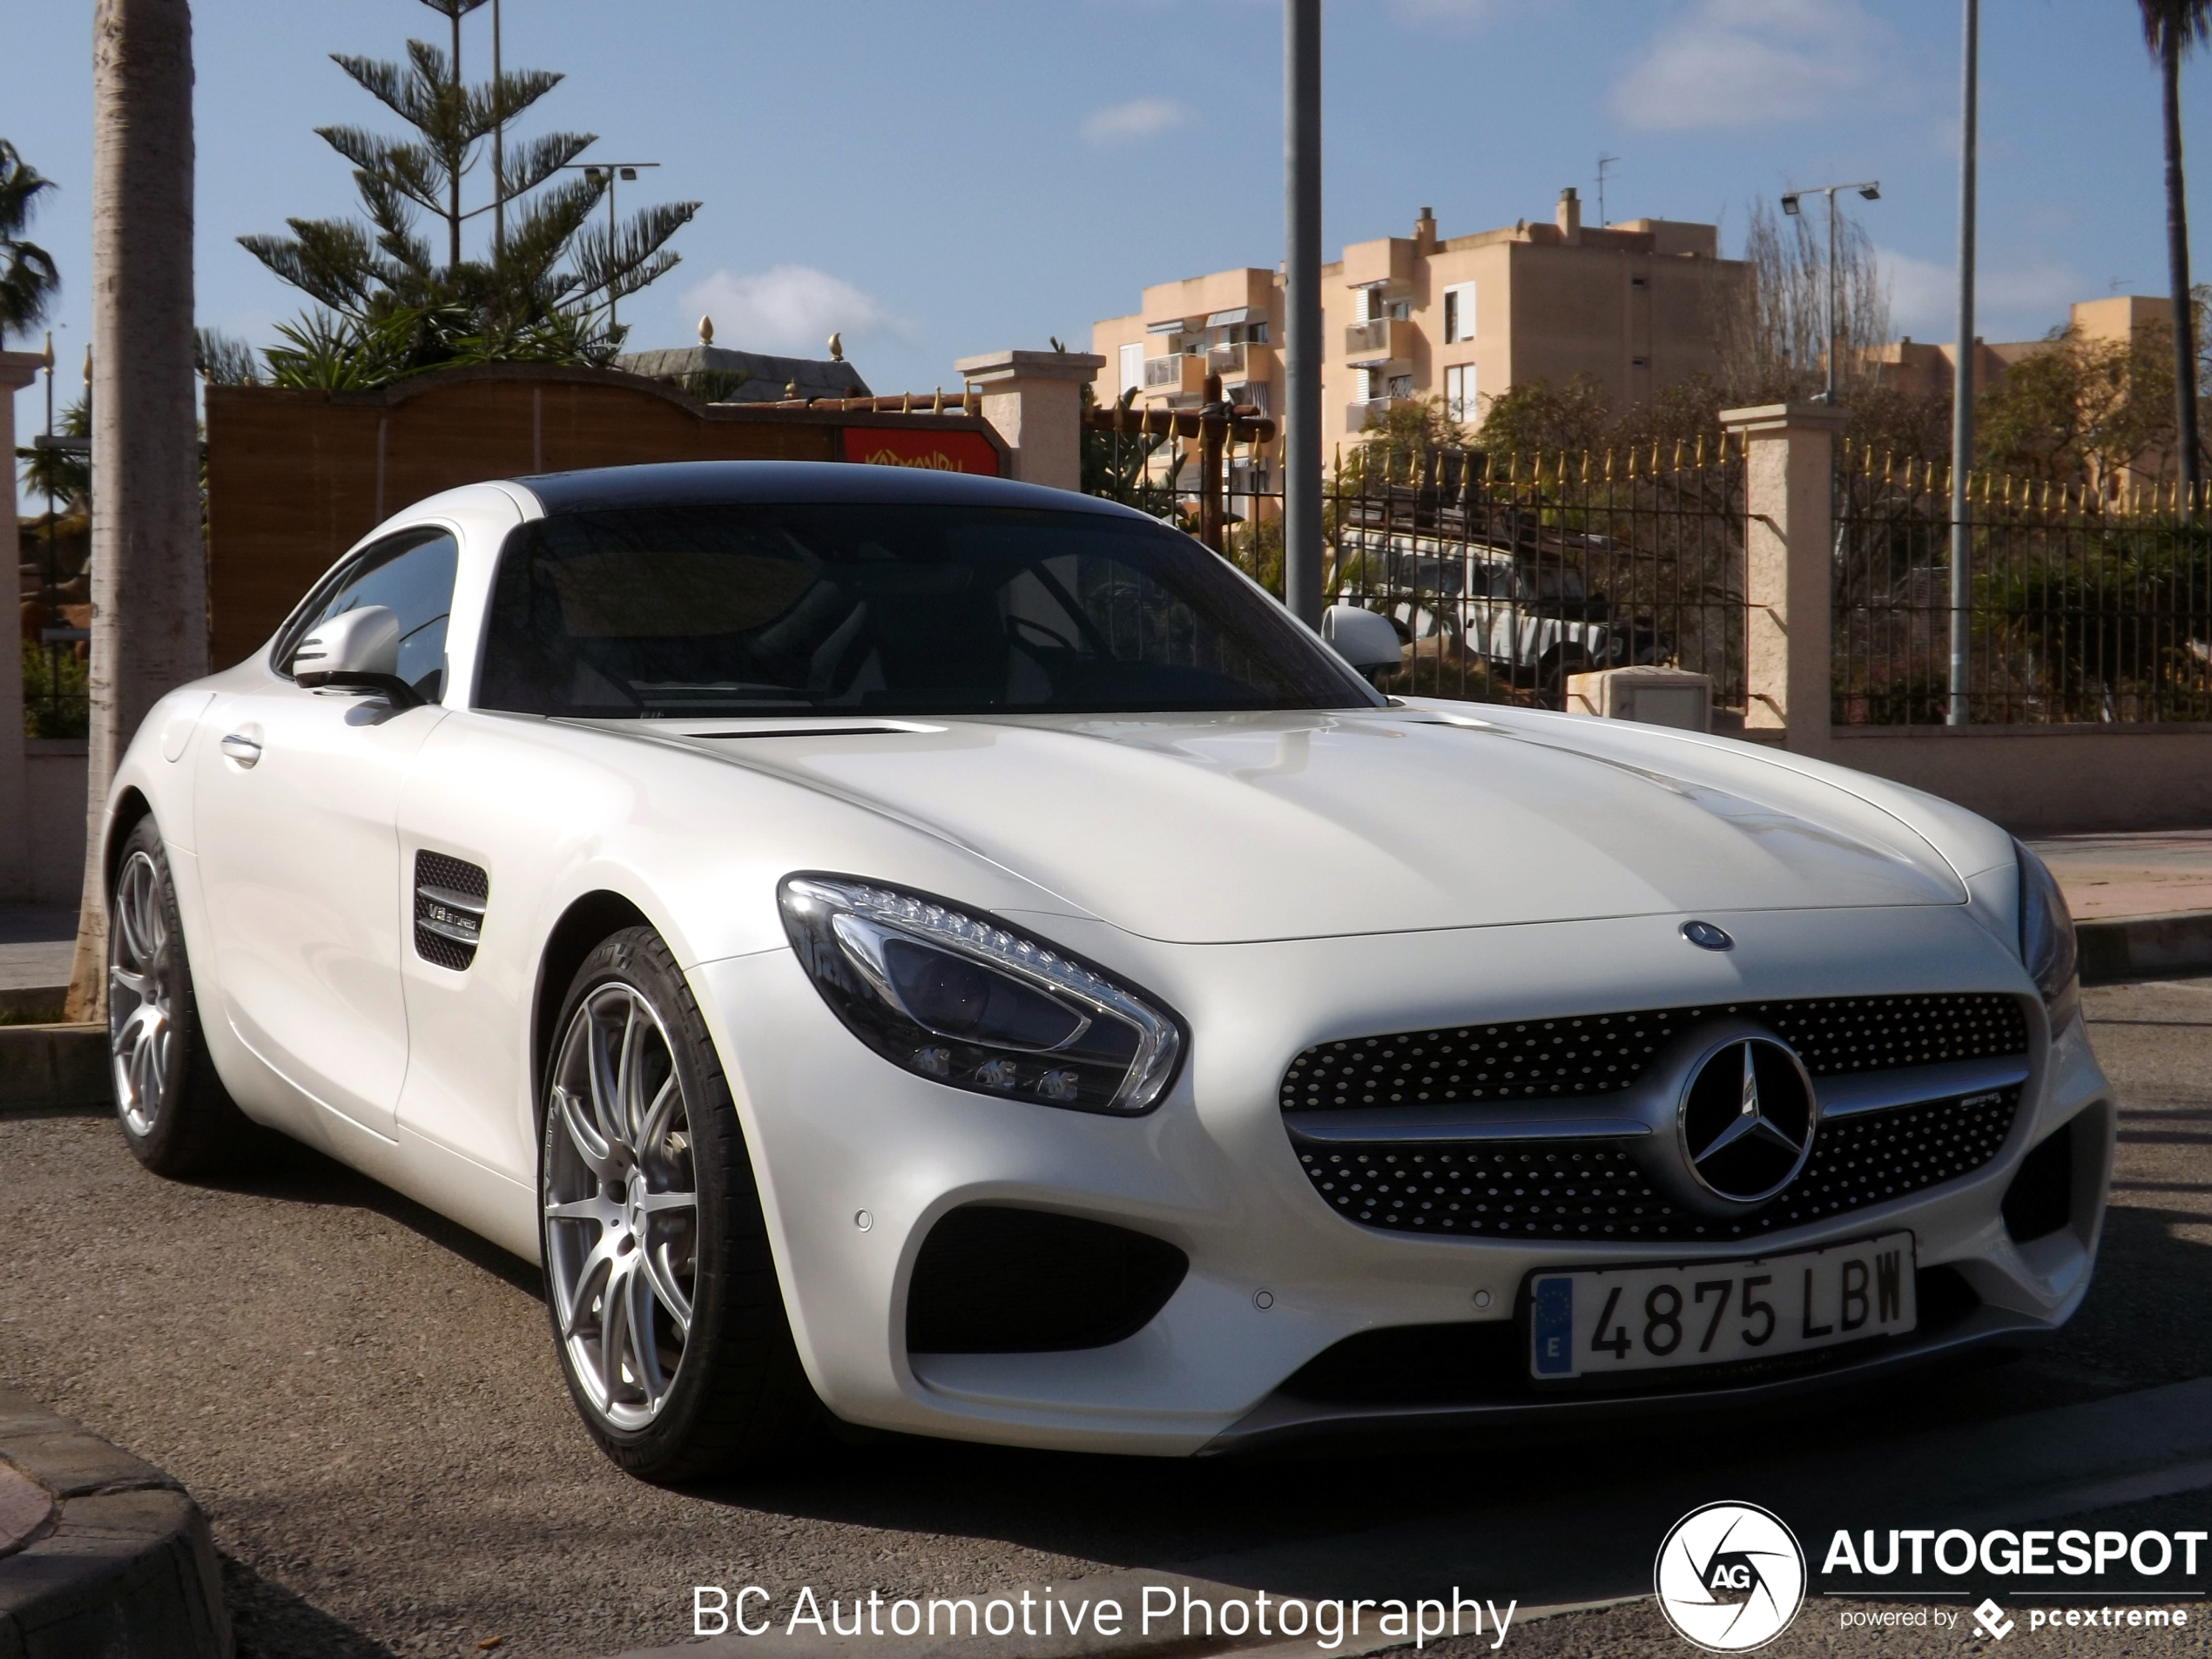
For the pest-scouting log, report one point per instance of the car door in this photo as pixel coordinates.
(296, 814)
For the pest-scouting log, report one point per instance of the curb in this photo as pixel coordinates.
(47, 1065)
(106, 1555)
(2129, 947)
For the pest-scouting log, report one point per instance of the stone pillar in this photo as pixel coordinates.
(1788, 484)
(1033, 401)
(17, 370)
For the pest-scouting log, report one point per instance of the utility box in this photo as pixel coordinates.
(1654, 696)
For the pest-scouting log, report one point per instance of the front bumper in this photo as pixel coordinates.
(857, 1160)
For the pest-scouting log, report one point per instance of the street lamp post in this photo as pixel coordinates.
(1302, 308)
(1872, 189)
(609, 171)
(1962, 381)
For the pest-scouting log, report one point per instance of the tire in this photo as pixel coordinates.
(176, 1117)
(651, 1224)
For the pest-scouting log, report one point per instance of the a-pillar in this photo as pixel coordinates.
(17, 370)
(1034, 401)
(1789, 490)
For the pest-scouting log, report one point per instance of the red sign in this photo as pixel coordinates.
(884, 446)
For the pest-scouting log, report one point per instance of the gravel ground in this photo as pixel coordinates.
(364, 1399)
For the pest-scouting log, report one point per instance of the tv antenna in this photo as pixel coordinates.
(1603, 162)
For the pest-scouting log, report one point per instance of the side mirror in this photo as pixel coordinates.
(1362, 638)
(357, 649)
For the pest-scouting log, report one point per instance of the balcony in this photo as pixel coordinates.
(1242, 361)
(1376, 342)
(1175, 375)
(1364, 413)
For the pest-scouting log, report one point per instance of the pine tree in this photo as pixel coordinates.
(547, 285)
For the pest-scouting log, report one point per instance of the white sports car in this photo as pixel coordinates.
(958, 955)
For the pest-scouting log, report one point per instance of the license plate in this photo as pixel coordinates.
(1595, 1321)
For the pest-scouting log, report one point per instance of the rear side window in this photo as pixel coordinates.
(411, 574)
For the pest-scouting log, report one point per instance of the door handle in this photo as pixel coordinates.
(242, 749)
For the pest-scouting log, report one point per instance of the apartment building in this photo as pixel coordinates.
(1463, 318)
(1927, 366)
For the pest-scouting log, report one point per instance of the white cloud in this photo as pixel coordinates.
(1134, 122)
(1923, 296)
(1755, 63)
(789, 310)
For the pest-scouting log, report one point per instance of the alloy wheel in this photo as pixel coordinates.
(621, 1206)
(142, 993)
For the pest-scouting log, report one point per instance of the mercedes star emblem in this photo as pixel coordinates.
(1706, 936)
(1747, 1119)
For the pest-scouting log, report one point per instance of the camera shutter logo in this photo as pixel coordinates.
(1730, 1577)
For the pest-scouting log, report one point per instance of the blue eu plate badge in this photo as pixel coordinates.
(1551, 1327)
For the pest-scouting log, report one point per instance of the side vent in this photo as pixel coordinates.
(450, 899)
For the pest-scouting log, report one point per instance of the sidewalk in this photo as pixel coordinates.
(2141, 904)
(36, 942)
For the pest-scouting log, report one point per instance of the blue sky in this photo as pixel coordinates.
(937, 178)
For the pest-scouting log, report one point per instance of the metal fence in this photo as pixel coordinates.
(2087, 606)
(1503, 576)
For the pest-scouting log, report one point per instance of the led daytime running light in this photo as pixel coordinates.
(860, 916)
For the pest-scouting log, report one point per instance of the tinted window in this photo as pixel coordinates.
(411, 574)
(761, 609)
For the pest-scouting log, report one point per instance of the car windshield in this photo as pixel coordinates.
(762, 608)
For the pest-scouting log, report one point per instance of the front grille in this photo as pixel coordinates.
(1598, 1054)
(1594, 1189)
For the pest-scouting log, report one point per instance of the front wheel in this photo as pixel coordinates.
(666, 1307)
(176, 1117)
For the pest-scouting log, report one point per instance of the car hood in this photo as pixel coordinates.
(1221, 828)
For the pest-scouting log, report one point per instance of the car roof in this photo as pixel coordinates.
(711, 483)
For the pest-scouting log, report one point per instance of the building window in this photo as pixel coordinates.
(1401, 385)
(1458, 311)
(1459, 393)
(1132, 366)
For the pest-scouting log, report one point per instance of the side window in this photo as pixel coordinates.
(410, 574)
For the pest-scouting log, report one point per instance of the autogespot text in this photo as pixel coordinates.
(1163, 1609)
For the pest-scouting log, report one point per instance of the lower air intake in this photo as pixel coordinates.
(997, 1280)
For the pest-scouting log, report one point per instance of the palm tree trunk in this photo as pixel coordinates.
(2177, 258)
(149, 565)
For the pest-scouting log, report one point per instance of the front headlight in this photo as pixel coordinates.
(2047, 938)
(965, 1001)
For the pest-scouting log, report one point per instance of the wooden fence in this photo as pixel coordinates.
(295, 478)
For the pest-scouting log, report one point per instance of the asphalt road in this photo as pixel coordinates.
(365, 1400)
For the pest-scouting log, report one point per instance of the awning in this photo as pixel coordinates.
(1171, 326)
(1240, 314)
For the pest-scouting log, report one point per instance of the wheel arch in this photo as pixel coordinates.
(589, 918)
(130, 807)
